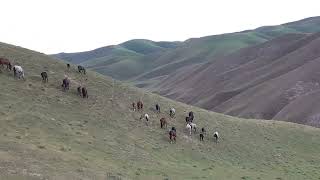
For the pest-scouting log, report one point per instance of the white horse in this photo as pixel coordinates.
(146, 117)
(216, 136)
(191, 126)
(18, 71)
(172, 112)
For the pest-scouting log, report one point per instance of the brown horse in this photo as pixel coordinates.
(84, 92)
(140, 105)
(163, 122)
(65, 84)
(191, 116)
(202, 133)
(172, 135)
(6, 62)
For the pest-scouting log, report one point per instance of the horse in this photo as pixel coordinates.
(18, 71)
(79, 91)
(84, 92)
(81, 69)
(203, 131)
(188, 119)
(172, 112)
(134, 106)
(6, 62)
(172, 134)
(44, 76)
(191, 126)
(191, 116)
(146, 117)
(163, 122)
(68, 66)
(65, 84)
(140, 105)
(158, 108)
(216, 136)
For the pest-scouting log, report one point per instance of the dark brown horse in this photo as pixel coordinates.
(84, 92)
(163, 122)
(140, 105)
(65, 84)
(172, 135)
(202, 133)
(191, 116)
(44, 76)
(6, 62)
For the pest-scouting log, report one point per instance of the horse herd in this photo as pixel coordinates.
(17, 70)
(190, 125)
(82, 91)
(19, 73)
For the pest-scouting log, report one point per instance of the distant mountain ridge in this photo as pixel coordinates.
(226, 73)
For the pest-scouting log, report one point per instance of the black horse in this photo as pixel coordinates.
(203, 131)
(81, 69)
(191, 116)
(84, 92)
(157, 108)
(44, 76)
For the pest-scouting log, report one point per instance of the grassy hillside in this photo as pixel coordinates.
(50, 134)
(144, 46)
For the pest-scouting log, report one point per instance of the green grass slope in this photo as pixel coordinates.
(49, 134)
(144, 46)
